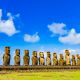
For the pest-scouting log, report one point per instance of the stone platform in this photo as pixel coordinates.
(38, 68)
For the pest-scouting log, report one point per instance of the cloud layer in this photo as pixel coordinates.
(31, 38)
(65, 36)
(57, 28)
(71, 38)
(7, 26)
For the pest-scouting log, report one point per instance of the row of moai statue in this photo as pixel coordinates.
(41, 59)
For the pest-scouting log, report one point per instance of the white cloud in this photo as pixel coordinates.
(71, 38)
(57, 28)
(31, 38)
(7, 26)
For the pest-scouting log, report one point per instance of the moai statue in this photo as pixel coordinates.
(55, 60)
(78, 60)
(26, 58)
(48, 59)
(73, 60)
(41, 59)
(61, 60)
(34, 58)
(17, 57)
(67, 57)
(6, 56)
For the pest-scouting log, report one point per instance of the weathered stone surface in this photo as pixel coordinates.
(26, 57)
(73, 60)
(55, 61)
(17, 57)
(6, 56)
(78, 60)
(61, 60)
(48, 59)
(41, 59)
(67, 57)
(34, 58)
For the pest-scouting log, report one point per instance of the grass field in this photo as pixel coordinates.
(64, 75)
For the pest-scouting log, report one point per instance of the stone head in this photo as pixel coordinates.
(35, 53)
(17, 52)
(48, 54)
(41, 54)
(73, 57)
(54, 55)
(67, 52)
(61, 56)
(26, 52)
(7, 50)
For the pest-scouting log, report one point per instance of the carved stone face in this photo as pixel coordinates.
(67, 52)
(54, 55)
(17, 52)
(41, 54)
(7, 50)
(77, 55)
(35, 53)
(48, 54)
(26, 52)
(73, 57)
(61, 56)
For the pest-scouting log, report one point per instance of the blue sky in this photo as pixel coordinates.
(47, 25)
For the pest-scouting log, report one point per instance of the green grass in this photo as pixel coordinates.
(64, 75)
